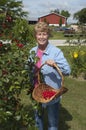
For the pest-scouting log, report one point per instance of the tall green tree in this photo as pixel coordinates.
(60, 22)
(65, 13)
(13, 8)
(10, 10)
(81, 16)
(55, 11)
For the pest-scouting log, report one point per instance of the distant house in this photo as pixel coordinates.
(54, 19)
(32, 20)
(75, 27)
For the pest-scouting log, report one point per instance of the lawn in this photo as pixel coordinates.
(73, 111)
(60, 35)
(72, 108)
(57, 35)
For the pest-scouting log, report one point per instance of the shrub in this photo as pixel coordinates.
(23, 32)
(13, 79)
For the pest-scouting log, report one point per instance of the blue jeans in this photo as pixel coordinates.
(53, 117)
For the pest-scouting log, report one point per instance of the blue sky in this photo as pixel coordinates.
(37, 8)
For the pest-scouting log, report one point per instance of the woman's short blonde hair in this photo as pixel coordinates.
(42, 27)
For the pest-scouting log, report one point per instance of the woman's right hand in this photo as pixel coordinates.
(50, 62)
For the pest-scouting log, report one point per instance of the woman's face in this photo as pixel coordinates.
(42, 38)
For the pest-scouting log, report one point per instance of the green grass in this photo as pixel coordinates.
(58, 35)
(73, 112)
(73, 103)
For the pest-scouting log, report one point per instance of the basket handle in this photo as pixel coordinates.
(56, 67)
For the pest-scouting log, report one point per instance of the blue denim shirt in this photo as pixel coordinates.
(50, 74)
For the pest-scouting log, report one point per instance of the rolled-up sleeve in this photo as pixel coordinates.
(62, 63)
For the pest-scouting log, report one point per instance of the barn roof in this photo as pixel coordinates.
(53, 13)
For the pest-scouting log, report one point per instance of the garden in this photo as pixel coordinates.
(16, 103)
(17, 106)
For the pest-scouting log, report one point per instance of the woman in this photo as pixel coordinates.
(49, 54)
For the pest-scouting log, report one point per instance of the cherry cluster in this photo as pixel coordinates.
(1, 44)
(47, 94)
(20, 45)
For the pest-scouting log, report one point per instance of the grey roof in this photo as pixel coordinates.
(33, 19)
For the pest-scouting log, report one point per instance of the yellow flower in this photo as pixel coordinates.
(75, 55)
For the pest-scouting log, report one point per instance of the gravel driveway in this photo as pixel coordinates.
(59, 42)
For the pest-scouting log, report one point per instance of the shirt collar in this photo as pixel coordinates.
(47, 50)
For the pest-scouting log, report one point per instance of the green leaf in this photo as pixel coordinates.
(18, 117)
(0, 72)
(24, 71)
(14, 87)
(1, 83)
(16, 83)
(9, 113)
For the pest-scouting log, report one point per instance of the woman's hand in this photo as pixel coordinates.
(50, 62)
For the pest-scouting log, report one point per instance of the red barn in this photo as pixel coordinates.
(54, 19)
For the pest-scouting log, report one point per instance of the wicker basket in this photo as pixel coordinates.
(44, 93)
